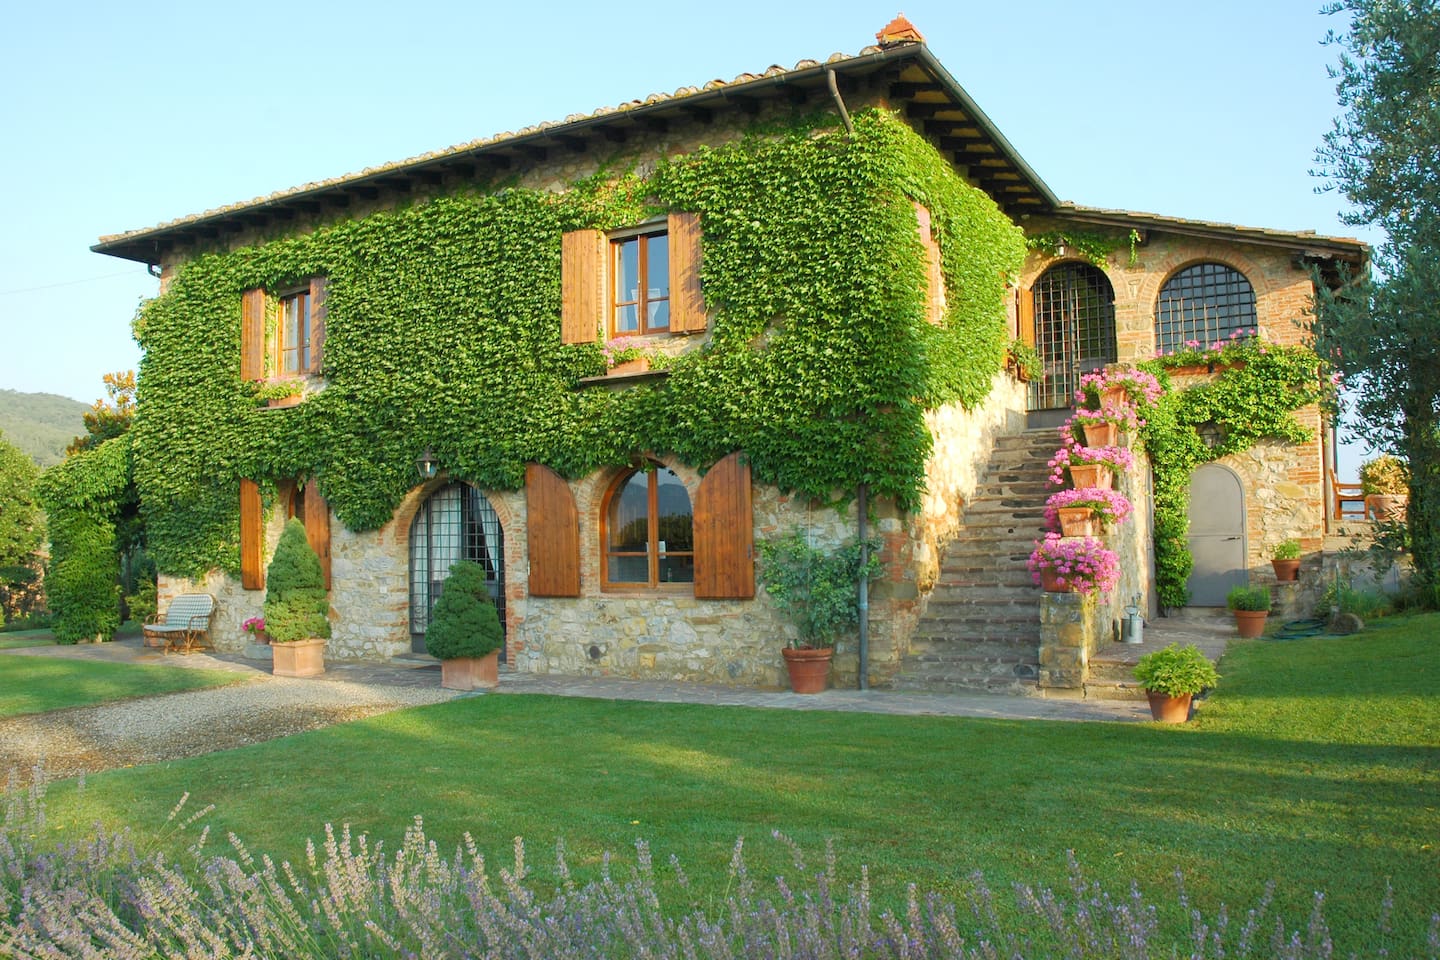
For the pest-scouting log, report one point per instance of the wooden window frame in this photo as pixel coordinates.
(652, 541)
(301, 350)
(615, 241)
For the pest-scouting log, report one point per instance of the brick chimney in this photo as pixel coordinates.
(899, 30)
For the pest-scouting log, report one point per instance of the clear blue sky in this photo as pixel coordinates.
(121, 116)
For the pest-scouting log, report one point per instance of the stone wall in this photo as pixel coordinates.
(643, 633)
(914, 546)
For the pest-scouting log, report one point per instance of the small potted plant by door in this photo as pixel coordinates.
(1251, 605)
(1285, 558)
(257, 639)
(820, 591)
(1385, 482)
(1025, 361)
(464, 632)
(297, 606)
(1171, 678)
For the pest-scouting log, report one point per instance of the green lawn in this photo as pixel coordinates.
(38, 684)
(26, 638)
(1315, 765)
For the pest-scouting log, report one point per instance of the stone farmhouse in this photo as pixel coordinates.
(819, 270)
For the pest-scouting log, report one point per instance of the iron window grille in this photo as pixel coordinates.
(1203, 303)
(1074, 330)
(455, 523)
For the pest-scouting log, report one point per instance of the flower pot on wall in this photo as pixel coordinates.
(809, 668)
(1050, 582)
(280, 403)
(469, 673)
(1113, 396)
(303, 658)
(1286, 571)
(1250, 623)
(1092, 475)
(1168, 709)
(1385, 506)
(1078, 521)
(1102, 434)
(630, 367)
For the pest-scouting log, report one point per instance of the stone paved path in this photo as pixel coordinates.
(107, 736)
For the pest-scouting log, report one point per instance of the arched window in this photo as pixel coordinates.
(455, 523)
(1201, 304)
(647, 531)
(1074, 329)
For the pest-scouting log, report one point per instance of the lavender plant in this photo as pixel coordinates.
(352, 898)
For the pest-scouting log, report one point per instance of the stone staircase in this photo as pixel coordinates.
(981, 629)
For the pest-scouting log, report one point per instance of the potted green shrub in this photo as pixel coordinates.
(297, 606)
(1251, 605)
(464, 632)
(1385, 482)
(1172, 677)
(1285, 558)
(1025, 360)
(819, 591)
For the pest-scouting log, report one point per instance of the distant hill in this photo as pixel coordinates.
(41, 424)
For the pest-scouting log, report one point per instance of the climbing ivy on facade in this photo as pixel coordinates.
(443, 332)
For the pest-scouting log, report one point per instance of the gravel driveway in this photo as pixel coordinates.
(177, 725)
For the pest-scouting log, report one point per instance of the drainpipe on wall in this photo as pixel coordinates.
(835, 94)
(864, 592)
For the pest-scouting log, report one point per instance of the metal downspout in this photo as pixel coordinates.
(864, 590)
(835, 95)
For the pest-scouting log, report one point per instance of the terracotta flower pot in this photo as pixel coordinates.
(1102, 434)
(1250, 623)
(1079, 521)
(809, 668)
(281, 403)
(1092, 475)
(629, 367)
(468, 673)
(303, 658)
(1385, 506)
(1167, 709)
(1050, 582)
(1286, 571)
(1113, 396)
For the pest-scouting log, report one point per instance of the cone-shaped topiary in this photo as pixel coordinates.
(464, 623)
(297, 606)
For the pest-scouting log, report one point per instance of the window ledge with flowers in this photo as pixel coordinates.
(629, 360)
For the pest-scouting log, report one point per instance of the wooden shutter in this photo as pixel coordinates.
(252, 536)
(687, 303)
(552, 533)
(1025, 314)
(934, 268)
(319, 288)
(724, 536)
(252, 334)
(317, 527)
(582, 285)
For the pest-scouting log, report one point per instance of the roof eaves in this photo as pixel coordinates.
(1304, 241)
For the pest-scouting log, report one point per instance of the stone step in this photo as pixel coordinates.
(1112, 689)
(938, 649)
(977, 630)
(1017, 680)
(1014, 590)
(1112, 671)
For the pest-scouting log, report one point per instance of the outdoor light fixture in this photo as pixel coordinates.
(426, 465)
(1211, 433)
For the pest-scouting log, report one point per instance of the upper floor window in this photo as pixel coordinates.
(647, 531)
(293, 334)
(283, 337)
(641, 292)
(627, 283)
(1201, 304)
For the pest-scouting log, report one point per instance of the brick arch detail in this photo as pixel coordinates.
(1163, 271)
(1037, 265)
(397, 532)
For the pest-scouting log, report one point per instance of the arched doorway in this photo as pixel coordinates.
(1074, 330)
(1217, 535)
(455, 523)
